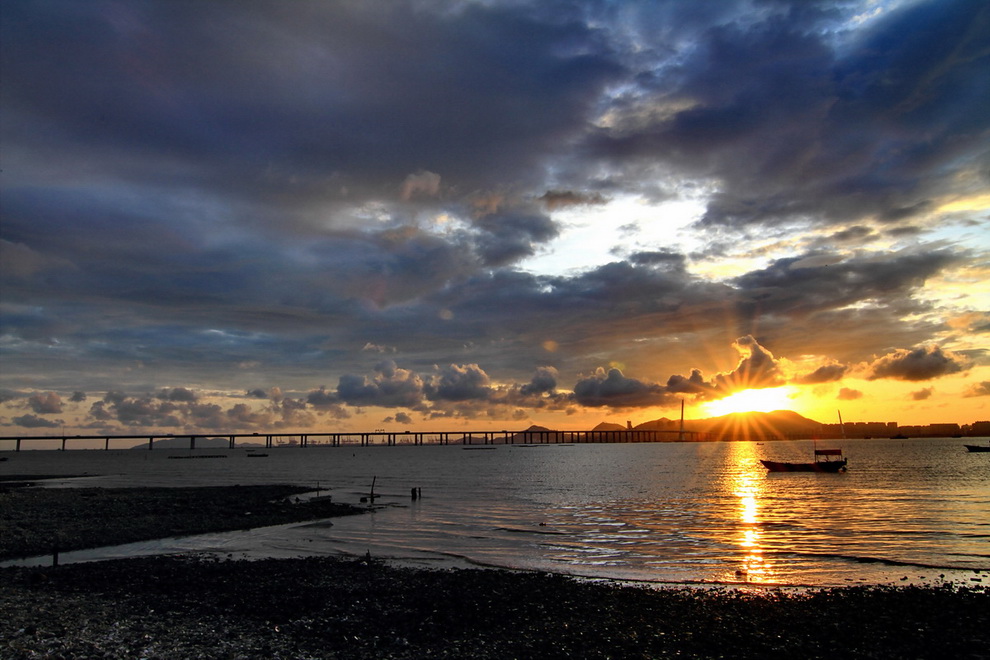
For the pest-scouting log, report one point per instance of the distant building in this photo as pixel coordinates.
(980, 429)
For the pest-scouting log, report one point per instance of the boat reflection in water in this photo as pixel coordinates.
(748, 485)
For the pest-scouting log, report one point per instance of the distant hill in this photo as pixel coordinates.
(609, 426)
(179, 442)
(662, 424)
(779, 423)
(523, 438)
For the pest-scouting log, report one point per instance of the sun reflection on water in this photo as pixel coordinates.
(747, 485)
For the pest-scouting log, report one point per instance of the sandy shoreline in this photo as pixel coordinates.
(184, 606)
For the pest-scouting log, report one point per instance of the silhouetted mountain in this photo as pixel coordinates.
(662, 424)
(609, 426)
(529, 434)
(779, 423)
(180, 442)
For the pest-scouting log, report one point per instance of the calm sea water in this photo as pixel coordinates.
(907, 511)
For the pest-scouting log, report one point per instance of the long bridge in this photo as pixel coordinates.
(366, 439)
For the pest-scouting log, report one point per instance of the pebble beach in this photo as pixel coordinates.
(331, 607)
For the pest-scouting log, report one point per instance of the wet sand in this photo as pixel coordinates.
(184, 607)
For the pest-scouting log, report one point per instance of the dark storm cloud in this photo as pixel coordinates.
(801, 285)
(796, 120)
(217, 191)
(544, 381)
(507, 238)
(373, 92)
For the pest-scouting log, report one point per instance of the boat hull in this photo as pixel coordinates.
(978, 447)
(817, 466)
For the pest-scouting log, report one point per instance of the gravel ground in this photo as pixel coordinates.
(184, 607)
(198, 607)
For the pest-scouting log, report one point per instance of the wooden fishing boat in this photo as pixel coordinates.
(826, 460)
(977, 447)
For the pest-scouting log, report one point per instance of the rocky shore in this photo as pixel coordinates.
(200, 607)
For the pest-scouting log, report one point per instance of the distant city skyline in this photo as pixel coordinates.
(235, 217)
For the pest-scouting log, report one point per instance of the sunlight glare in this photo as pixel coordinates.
(752, 400)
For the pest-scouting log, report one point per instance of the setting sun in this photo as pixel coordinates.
(753, 400)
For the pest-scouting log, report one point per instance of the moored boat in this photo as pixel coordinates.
(824, 462)
(977, 447)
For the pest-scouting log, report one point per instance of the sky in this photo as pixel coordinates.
(423, 214)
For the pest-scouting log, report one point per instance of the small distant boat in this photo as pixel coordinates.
(253, 455)
(977, 447)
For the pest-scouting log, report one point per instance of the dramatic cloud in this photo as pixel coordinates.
(391, 387)
(613, 389)
(45, 404)
(756, 369)
(544, 381)
(35, 422)
(217, 209)
(922, 363)
(459, 383)
(824, 374)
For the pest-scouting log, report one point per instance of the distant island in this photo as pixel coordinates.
(787, 424)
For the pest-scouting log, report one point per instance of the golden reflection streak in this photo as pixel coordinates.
(747, 484)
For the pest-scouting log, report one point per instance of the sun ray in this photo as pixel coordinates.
(752, 400)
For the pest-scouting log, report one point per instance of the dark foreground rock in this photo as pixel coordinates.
(175, 607)
(35, 521)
